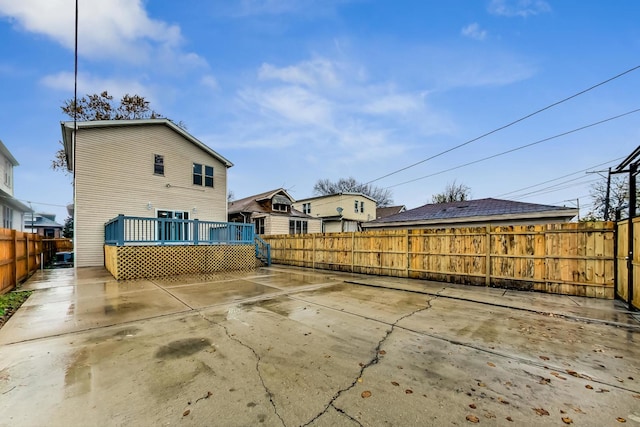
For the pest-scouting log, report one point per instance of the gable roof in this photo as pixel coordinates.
(5, 151)
(67, 132)
(252, 203)
(389, 210)
(474, 211)
(345, 193)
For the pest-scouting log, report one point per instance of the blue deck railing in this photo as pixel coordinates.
(127, 230)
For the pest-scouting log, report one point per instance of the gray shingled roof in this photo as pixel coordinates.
(473, 208)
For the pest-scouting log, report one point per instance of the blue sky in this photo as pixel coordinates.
(293, 91)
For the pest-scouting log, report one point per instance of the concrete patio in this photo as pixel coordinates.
(283, 346)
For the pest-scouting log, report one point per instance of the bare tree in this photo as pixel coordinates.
(618, 199)
(453, 192)
(325, 187)
(102, 107)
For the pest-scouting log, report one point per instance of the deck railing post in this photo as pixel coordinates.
(196, 231)
(120, 230)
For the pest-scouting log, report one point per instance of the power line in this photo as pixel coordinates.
(518, 148)
(508, 124)
(560, 177)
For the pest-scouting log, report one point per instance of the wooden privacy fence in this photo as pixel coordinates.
(628, 270)
(19, 257)
(52, 246)
(566, 258)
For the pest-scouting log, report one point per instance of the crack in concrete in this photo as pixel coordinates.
(364, 367)
(343, 412)
(258, 359)
(587, 320)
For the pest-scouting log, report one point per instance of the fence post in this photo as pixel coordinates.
(26, 250)
(14, 235)
(408, 259)
(196, 231)
(353, 244)
(487, 248)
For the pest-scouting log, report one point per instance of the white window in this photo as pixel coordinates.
(7, 173)
(198, 176)
(306, 208)
(7, 217)
(297, 226)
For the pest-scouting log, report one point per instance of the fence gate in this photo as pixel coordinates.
(628, 262)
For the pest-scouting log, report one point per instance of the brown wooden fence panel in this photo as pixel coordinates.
(622, 252)
(567, 258)
(19, 257)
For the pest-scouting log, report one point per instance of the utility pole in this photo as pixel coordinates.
(606, 198)
(578, 204)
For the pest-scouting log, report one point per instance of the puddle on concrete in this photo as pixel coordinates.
(77, 377)
(116, 307)
(276, 305)
(182, 348)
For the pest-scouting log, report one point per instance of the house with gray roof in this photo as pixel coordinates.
(474, 213)
(43, 224)
(272, 212)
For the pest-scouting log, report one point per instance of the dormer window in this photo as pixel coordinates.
(280, 203)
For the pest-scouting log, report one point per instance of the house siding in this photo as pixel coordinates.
(6, 167)
(114, 175)
(326, 207)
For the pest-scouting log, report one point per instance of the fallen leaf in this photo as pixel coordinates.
(382, 352)
(491, 364)
(562, 411)
(573, 373)
(473, 419)
(589, 387)
(482, 385)
(602, 390)
(545, 380)
(544, 358)
(637, 396)
(408, 391)
(187, 412)
(472, 406)
(621, 420)
(395, 383)
(618, 357)
(361, 364)
(510, 419)
(360, 379)
(567, 420)
(366, 394)
(541, 411)
(504, 402)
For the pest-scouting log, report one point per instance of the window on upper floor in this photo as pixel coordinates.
(356, 206)
(306, 208)
(280, 207)
(158, 164)
(202, 174)
(361, 207)
(7, 173)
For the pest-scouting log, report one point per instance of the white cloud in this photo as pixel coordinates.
(396, 103)
(283, 7)
(521, 8)
(474, 31)
(209, 81)
(64, 81)
(119, 29)
(318, 72)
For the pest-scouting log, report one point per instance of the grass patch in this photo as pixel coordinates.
(10, 302)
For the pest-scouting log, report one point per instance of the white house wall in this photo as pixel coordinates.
(114, 174)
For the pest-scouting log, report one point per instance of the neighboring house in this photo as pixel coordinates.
(11, 210)
(272, 212)
(43, 224)
(389, 210)
(144, 168)
(339, 212)
(474, 213)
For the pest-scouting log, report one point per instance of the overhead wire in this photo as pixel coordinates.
(508, 124)
(517, 148)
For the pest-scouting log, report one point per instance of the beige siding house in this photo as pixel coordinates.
(11, 210)
(142, 168)
(272, 212)
(339, 212)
